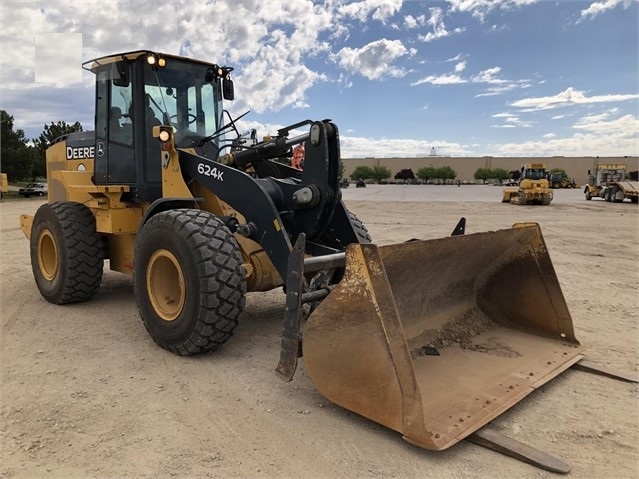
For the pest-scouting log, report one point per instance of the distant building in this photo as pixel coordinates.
(433, 152)
(575, 167)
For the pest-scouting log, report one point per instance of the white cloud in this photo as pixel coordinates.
(498, 90)
(446, 79)
(484, 76)
(360, 147)
(456, 58)
(268, 43)
(597, 8)
(596, 136)
(511, 121)
(568, 97)
(460, 67)
(598, 117)
(411, 22)
(381, 10)
(373, 60)
(436, 21)
(615, 137)
(480, 8)
(488, 76)
(626, 126)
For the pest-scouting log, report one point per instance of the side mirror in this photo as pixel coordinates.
(228, 90)
(120, 74)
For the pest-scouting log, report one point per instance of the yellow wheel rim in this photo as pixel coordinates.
(165, 284)
(47, 255)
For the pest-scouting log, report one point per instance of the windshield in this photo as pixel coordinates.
(179, 95)
(535, 174)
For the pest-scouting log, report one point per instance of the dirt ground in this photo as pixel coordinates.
(85, 392)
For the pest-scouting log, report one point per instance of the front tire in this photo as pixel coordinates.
(67, 256)
(360, 230)
(188, 280)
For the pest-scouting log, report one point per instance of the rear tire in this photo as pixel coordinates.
(188, 280)
(67, 256)
(613, 196)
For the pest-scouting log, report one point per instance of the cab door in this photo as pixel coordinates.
(114, 139)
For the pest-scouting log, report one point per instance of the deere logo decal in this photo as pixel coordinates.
(79, 153)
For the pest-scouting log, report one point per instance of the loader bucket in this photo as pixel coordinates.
(436, 338)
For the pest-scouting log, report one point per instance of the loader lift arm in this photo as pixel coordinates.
(278, 210)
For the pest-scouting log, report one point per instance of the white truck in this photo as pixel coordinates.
(608, 182)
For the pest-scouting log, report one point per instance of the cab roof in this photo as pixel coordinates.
(92, 65)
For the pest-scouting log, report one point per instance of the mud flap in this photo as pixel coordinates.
(436, 338)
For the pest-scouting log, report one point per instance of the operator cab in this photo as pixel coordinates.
(139, 90)
(533, 173)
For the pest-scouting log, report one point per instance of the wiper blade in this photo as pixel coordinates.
(222, 129)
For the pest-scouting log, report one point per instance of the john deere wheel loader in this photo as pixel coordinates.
(199, 219)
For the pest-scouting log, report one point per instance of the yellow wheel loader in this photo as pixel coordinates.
(168, 192)
(4, 185)
(533, 188)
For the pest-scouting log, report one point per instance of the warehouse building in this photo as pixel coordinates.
(575, 166)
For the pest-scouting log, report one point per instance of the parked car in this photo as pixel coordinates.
(33, 189)
(360, 184)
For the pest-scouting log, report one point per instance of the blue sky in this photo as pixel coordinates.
(468, 77)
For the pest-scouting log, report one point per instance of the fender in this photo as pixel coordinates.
(165, 204)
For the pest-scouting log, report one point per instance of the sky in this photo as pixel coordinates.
(398, 78)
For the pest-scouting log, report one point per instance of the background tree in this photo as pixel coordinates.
(362, 172)
(515, 174)
(406, 174)
(445, 173)
(381, 173)
(51, 132)
(560, 171)
(500, 174)
(483, 174)
(426, 173)
(17, 156)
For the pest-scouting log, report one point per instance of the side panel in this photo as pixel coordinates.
(76, 153)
